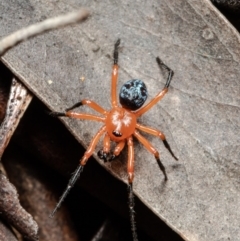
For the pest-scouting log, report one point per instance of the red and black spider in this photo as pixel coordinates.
(120, 125)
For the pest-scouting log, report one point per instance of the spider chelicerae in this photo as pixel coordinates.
(120, 125)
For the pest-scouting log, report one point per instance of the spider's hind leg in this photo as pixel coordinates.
(130, 168)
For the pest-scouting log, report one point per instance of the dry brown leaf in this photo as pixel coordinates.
(200, 114)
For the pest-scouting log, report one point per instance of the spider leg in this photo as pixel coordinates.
(158, 134)
(115, 74)
(170, 72)
(92, 146)
(89, 103)
(151, 149)
(161, 94)
(130, 168)
(79, 169)
(132, 212)
(71, 183)
(78, 116)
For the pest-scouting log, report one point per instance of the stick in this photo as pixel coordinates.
(38, 28)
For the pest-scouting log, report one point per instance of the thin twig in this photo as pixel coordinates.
(38, 28)
(13, 212)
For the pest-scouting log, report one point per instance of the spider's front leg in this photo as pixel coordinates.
(130, 169)
(79, 169)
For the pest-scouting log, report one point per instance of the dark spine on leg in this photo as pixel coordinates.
(74, 106)
(162, 168)
(169, 149)
(71, 183)
(132, 212)
(115, 53)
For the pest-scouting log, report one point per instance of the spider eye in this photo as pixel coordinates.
(133, 94)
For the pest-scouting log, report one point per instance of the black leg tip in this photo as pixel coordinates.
(102, 155)
(78, 104)
(169, 149)
(107, 157)
(117, 43)
(56, 114)
(162, 168)
(159, 61)
(112, 157)
(115, 53)
(170, 72)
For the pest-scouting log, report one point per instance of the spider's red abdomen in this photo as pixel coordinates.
(120, 124)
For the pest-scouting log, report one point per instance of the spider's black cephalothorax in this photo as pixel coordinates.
(133, 94)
